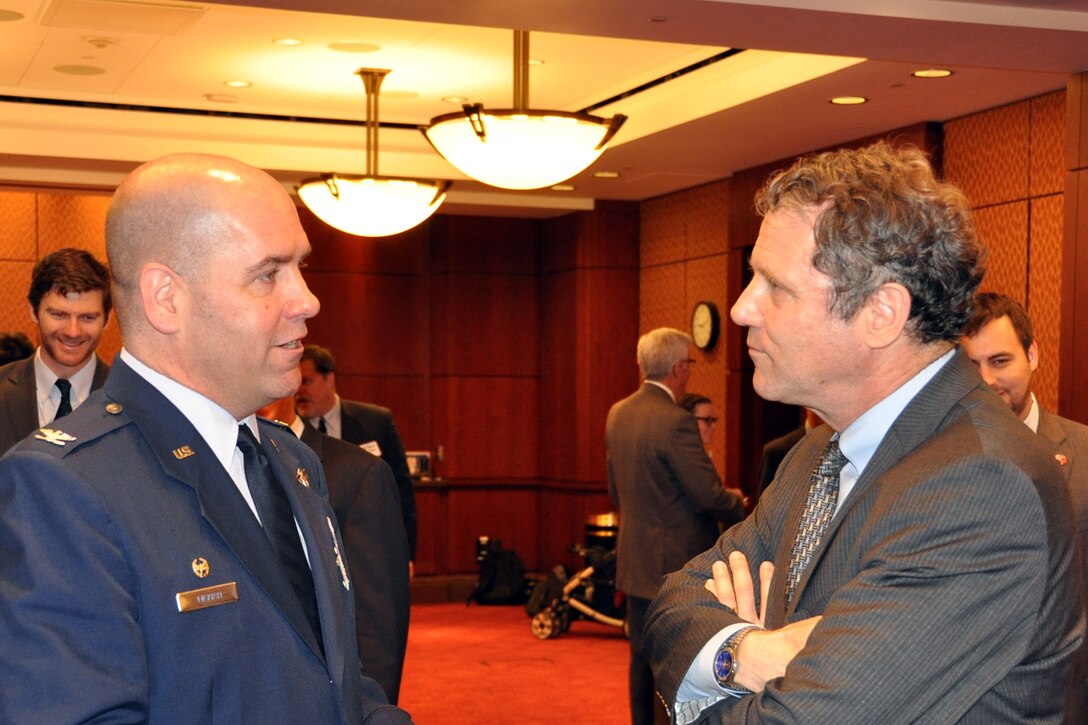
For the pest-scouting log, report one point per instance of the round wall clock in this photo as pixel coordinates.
(705, 325)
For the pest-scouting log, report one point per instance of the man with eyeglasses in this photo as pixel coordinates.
(668, 494)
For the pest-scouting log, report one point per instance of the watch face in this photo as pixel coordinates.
(723, 665)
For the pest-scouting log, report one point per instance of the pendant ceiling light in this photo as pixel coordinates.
(519, 147)
(372, 205)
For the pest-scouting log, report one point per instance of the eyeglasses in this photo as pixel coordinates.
(708, 419)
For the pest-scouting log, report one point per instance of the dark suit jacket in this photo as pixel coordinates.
(668, 494)
(1070, 441)
(19, 400)
(364, 496)
(773, 453)
(947, 581)
(101, 531)
(364, 422)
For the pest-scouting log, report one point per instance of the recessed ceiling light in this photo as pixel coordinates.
(80, 70)
(221, 98)
(607, 174)
(536, 61)
(563, 187)
(932, 73)
(351, 46)
(287, 42)
(237, 84)
(455, 99)
(849, 100)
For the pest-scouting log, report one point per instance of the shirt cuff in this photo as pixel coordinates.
(700, 689)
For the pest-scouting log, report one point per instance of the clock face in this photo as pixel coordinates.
(704, 325)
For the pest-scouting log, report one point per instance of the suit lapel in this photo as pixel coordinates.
(185, 456)
(920, 419)
(20, 398)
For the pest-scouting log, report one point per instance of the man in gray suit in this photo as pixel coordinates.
(1000, 340)
(915, 559)
(668, 494)
(69, 301)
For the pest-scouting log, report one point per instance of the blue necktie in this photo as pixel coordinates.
(274, 510)
(65, 406)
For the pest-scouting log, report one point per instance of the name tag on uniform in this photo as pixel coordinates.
(195, 599)
(372, 448)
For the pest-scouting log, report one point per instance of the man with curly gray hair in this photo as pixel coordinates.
(915, 559)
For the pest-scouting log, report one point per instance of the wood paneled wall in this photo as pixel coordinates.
(503, 342)
(1009, 162)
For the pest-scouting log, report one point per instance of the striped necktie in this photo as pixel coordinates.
(823, 496)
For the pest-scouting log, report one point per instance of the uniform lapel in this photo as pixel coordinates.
(323, 544)
(185, 456)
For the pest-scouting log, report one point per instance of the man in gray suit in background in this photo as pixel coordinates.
(1000, 340)
(662, 482)
(915, 560)
(69, 301)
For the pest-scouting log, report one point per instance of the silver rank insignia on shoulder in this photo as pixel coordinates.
(339, 559)
(303, 477)
(183, 452)
(56, 437)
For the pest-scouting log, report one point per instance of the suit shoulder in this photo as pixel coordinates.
(97, 417)
(357, 408)
(16, 369)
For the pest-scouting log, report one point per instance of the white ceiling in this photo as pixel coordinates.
(149, 79)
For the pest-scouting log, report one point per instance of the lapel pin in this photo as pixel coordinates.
(339, 559)
(56, 437)
(201, 567)
(183, 452)
(1061, 459)
(303, 477)
(114, 408)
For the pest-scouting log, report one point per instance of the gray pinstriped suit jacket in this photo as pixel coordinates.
(947, 582)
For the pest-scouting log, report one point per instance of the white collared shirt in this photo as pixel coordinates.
(47, 393)
(333, 425)
(214, 423)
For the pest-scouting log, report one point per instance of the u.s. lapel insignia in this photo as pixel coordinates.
(56, 437)
(303, 477)
(339, 559)
(201, 567)
(1061, 459)
(183, 452)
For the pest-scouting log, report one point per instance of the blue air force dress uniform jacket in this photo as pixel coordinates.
(137, 586)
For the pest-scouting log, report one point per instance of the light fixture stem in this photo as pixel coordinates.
(521, 70)
(372, 83)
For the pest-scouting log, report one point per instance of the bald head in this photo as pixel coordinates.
(177, 210)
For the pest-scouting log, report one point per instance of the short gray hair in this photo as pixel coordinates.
(660, 349)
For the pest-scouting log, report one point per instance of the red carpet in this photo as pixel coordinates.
(475, 665)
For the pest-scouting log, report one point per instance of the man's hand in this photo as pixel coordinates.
(733, 587)
(763, 656)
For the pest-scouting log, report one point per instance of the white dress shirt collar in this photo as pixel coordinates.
(48, 394)
(664, 387)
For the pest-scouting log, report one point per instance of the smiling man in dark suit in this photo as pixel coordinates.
(166, 556)
(915, 559)
(364, 496)
(69, 301)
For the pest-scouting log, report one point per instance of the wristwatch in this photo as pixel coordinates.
(726, 665)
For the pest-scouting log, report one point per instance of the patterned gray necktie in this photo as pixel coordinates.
(823, 495)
